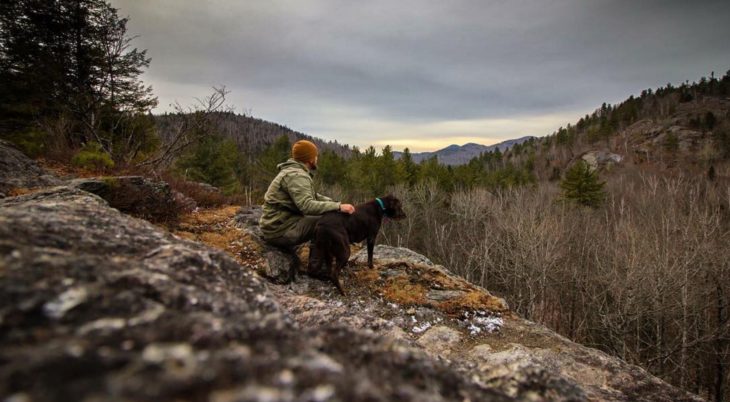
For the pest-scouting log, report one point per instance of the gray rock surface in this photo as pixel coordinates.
(19, 171)
(440, 340)
(441, 295)
(97, 305)
(385, 254)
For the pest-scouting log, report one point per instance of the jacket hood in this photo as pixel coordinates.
(293, 163)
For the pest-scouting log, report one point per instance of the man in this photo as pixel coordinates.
(291, 206)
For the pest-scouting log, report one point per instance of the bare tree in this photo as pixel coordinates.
(190, 124)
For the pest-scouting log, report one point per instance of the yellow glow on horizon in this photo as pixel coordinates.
(433, 144)
(432, 136)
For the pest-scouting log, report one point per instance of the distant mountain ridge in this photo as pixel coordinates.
(460, 154)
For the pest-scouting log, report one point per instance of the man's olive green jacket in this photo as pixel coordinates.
(290, 196)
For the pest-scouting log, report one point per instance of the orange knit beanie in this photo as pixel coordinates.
(304, 151)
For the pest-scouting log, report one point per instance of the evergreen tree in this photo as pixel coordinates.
(273, 155)
(215, 161)
(386, 171)
(71, 61)
(581, 185)
(332, 168)
(408, 168)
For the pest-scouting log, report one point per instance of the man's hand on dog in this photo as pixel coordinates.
(347, 208)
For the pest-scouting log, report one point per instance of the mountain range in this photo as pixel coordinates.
(460, 154)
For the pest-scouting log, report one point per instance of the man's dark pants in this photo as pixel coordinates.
(301, 232)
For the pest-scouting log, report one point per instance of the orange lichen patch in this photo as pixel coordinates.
(471, 301)
(404, 291)
(21, 191)
(366, 275)
(403, 288)
(439, 280)
(185, 235)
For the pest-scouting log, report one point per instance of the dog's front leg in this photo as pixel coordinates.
(371, 246)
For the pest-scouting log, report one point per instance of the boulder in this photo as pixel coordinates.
(385, 254)
(19, 171)
(135, 195)
(183, 202)
(440, 340)
(275, 264)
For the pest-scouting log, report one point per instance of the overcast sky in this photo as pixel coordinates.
(424, 74)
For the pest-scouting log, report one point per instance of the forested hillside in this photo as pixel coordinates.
(613, 231)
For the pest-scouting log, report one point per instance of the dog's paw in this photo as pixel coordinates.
(340, 287)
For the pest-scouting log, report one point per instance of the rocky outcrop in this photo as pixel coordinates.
(386, 254)
(17, 171)
(601, 159)
(98, 305)
(137, 196)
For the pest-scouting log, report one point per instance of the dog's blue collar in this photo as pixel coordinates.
(380, 202)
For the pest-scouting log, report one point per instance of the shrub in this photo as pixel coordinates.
(93, 157)
(31, 142)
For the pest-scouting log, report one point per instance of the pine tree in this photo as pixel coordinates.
(215, 161)
(332, 168)
(408, 168)
(581, 185)
(71, 61)
(273, 155)
(387, 173)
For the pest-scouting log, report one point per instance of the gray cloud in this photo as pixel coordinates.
(424, 61)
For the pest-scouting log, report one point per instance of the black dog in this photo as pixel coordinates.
(335, 231)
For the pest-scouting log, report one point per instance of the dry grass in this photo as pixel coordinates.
(207, 217)
(214, 227)
(65, 169)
